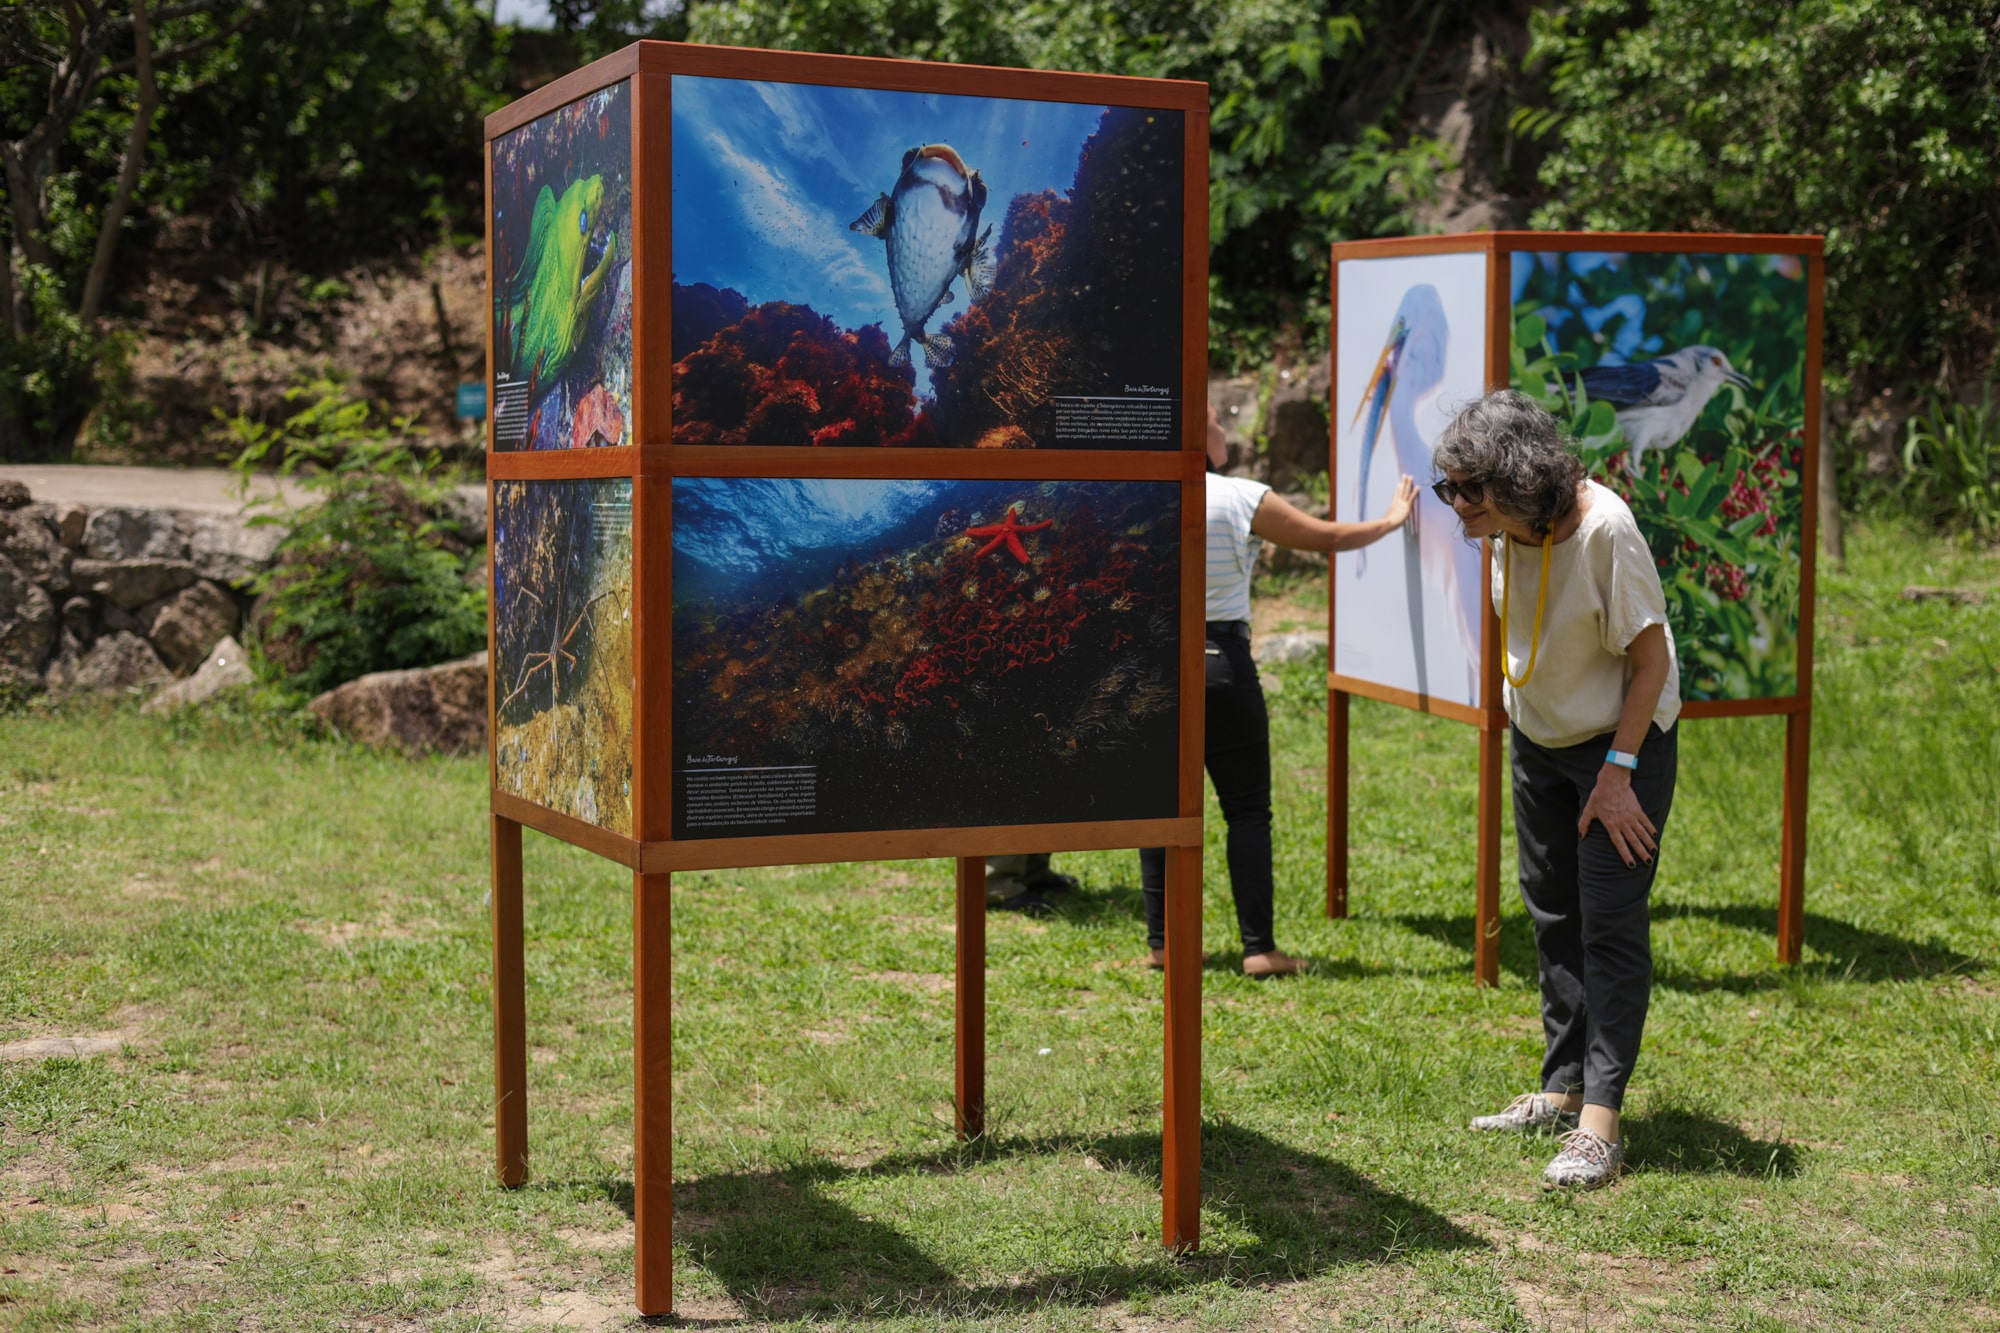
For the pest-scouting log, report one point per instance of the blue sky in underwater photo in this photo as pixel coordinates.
(767, 177)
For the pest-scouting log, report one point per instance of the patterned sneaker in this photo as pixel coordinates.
(1585, 1162)
(1530, 1113)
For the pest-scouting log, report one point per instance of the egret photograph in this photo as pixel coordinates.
(860, 267)
(562, 277)
(1681, 377)
(1411, 353)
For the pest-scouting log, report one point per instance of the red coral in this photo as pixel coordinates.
(786, 375)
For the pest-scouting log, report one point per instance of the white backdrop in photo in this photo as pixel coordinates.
(1407, 609)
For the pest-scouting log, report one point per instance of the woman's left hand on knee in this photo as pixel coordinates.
(1613, 804)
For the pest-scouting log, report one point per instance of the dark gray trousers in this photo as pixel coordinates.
(1592, 926)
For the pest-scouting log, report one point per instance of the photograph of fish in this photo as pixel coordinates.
(857, 655)
(1683, 378)
(562, 277)
(1411, 351)
(562, 633)
(868, 268)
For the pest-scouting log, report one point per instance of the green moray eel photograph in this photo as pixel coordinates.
(557, 285)
(562, 277)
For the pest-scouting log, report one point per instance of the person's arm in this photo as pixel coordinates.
(1278, 520)
(1611, 801)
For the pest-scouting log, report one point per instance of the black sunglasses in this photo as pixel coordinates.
(1448, 491)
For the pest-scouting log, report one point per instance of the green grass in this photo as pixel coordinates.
(290, 938)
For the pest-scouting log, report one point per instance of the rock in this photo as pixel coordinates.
(186, 625)
(225, 667)
(130, 584)
(77, 620)
(123, 533)
(13, 494)
(1298, 646)
(464, 507)
(28, 538)
(1296, 439)
(28, 622)
(116, 661)
(232, 550)
(112, 616)
(70, 520)
(1284, 560)
(429, 708)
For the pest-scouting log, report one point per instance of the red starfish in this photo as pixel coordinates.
(1007, 532)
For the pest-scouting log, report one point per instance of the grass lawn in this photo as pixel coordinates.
(283, 943)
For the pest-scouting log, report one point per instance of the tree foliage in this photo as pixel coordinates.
(1872, 121)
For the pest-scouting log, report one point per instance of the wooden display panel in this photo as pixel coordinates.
(1793, 697)
(552, 702)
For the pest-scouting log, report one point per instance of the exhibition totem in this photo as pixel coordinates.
(846, 482)
(1687, 369)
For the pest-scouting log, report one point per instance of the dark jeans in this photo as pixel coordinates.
(1238, 756)
(1592, 924)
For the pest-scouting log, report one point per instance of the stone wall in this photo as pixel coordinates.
(117, 596)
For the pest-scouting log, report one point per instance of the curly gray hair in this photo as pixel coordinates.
(1508, 443)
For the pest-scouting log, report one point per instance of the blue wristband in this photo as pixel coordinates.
(1622, 760)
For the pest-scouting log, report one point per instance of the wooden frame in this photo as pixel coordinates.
(649, 458)
(1489, 716)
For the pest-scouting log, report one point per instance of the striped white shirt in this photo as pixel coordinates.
(1232, 547)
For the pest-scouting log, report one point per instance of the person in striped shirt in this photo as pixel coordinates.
(1242, 515)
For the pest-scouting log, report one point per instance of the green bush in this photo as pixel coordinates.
(368, 577)
(1951, 461)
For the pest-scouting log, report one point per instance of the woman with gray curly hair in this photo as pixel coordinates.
(1593, 691)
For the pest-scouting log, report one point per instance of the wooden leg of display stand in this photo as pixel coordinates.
(970, 1083)
(1180, 1134)
(1336, 804)
(1792, 859)
(653, 1086)
(1486, 915)
(510, 1009)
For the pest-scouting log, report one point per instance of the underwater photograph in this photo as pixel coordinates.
(562, 634)
(562, 277)
(1682, 378)
(857, 655)
(867, 268)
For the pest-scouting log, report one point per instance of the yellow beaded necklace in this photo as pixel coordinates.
(1541, 601)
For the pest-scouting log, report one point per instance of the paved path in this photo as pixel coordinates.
(202, 489)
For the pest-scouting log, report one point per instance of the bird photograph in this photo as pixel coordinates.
(1681, 376)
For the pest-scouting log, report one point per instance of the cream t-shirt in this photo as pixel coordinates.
(1603, 589)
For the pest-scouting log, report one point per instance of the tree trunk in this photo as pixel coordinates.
(128, 175)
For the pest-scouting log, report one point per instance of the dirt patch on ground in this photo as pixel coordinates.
(928, 983)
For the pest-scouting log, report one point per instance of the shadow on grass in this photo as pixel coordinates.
(1687, 1140)
(1852, 953)
(786, 1248)
(1517, 942)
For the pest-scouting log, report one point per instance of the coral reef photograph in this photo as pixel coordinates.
(562, 277)
(869, 268)
(562, 635)
(854, 655)
(1682, 376)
